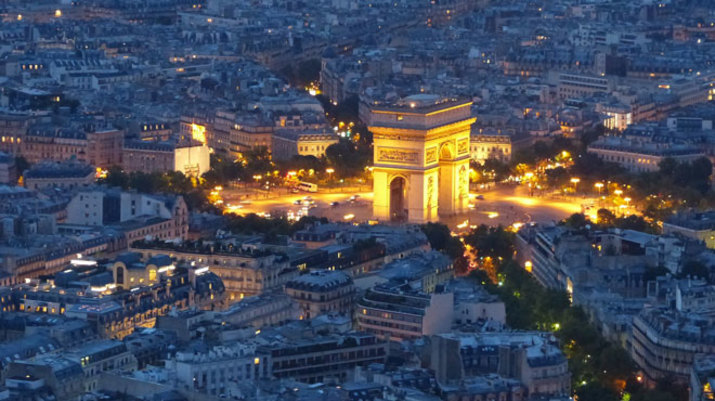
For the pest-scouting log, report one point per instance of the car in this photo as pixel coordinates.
(294, 190)
(334, 204)
(354, 198)
(480, 197)
(298, 202)
(245, 202)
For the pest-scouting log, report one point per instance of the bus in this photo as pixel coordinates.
(307, 187)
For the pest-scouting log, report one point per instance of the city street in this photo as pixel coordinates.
(503, 205)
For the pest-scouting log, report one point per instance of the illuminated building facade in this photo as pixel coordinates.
(290, 143)
(121, 296)
(190, 157)
(421, 158)
(244, 272)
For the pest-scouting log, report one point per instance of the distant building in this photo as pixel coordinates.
(260, 311)
(138, 215)
(116, 299)
(61, 175)
(150, 346)
(245, 271)
(250, 131)
(638, 157)
(189, 157)
(210, 372)
(104, 148)
(473, 304)
(100, 356)
(63, 376)
(562, 259)
(617, 116)
(421, 271)
(321, 292)
(698, 226)
(8, 170)
(665, 341)
(269, 309)
(578, 85)
(323, 359)
(46, 142)
(702, 378)
(492, 143)
(288, 143)
(399, 313)
(533, 358)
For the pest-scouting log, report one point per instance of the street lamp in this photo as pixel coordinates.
(575, 182)
(627, 199)
(618, 192)
(598, 185)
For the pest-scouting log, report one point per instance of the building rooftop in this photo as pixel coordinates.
(320, 281)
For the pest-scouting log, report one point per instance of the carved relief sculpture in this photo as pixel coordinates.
(396, 155)
(463, 146)
(431, 156)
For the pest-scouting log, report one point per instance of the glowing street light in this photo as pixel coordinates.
(329, 170)
(58, 13)
(618, 192)
(598, 185)
(575, 182)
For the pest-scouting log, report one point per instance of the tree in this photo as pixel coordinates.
(437, 234)
(223, 171)
(606, 217)
(441, 239)
(258, 160)
(145, 182)
(348, 159)
(667, 166)
(594, 391)
(576, 221)
(557, 177)
(501, 170)
(494, 242)
(116, 178)
(306, 163)
(21, 164)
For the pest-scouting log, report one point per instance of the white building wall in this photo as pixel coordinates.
(192, 160)
(86, 208)
(438, 315)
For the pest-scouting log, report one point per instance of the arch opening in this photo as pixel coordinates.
(398, 210)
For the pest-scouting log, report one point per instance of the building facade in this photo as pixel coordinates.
(321, 292)
(401, 314)
(421, 158)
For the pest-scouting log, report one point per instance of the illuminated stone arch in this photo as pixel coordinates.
(424, 140)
